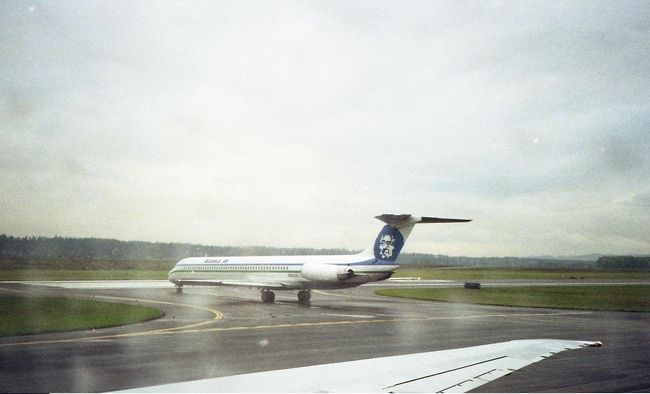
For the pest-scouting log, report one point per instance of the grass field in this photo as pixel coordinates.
(33, 315)
(607, 298)
(518, 273)
(45, 274)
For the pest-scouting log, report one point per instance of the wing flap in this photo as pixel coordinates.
(458, 381)
(509, 357)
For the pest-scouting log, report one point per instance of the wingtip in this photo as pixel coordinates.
(591, 344)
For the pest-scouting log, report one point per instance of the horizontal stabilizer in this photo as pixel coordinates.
(442, 220)
(406, 219)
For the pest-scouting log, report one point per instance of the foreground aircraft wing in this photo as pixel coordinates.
(256, 285)
(454, 370)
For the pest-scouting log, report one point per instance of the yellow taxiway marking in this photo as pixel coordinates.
(371, 321)
(217, 316)
(193, 328)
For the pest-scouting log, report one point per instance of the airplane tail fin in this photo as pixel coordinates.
(391, 238)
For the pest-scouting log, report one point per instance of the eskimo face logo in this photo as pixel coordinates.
(386, 246)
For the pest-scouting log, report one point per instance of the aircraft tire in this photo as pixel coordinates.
(268, 297)
(304, 296)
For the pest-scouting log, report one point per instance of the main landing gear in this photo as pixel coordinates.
(268, 297)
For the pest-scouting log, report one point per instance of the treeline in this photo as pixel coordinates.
(623, 262)
(421, 259)
(97, 253)
(59, 248)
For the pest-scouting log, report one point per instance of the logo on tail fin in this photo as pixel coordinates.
(388, 244)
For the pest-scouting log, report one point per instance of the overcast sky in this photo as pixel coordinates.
(294, 123)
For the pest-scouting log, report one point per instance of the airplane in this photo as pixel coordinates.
(452, 370)
(304, 273)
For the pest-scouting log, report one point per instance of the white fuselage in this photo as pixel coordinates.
(282, 272)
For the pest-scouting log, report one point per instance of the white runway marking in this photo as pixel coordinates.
(99, 284)
(355, 316)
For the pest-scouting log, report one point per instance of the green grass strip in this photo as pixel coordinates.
(634, 298)
(46, 274)
(34, 315)
(518, 273)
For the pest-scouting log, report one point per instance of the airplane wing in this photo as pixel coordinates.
(256, 285)
(454, 370)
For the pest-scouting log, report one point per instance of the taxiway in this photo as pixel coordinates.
(219, 332)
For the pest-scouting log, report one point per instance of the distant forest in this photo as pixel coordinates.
(17, 248)
(89, 253)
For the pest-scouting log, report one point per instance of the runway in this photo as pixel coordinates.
(219, 332)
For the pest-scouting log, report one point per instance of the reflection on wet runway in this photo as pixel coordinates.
(208, 333)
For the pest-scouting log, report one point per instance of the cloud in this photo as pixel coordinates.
(293, 123)
(642, 200)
